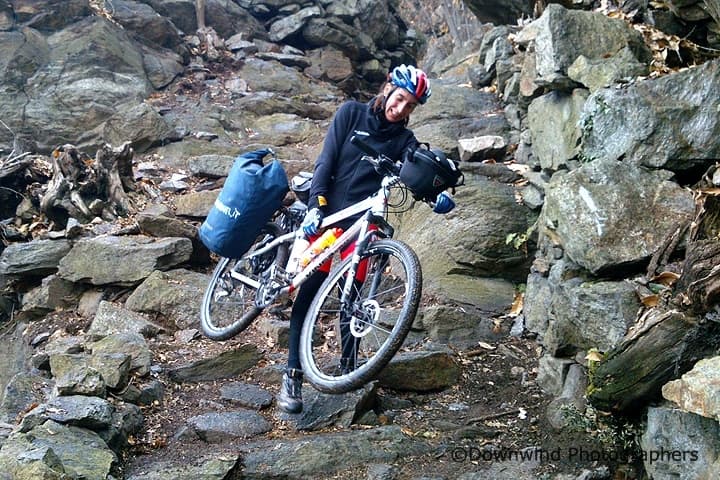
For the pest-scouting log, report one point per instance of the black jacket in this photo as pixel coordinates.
(340, 174)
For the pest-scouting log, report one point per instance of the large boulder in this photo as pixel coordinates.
(610, 214)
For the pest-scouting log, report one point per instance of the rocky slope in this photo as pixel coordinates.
(579, 140)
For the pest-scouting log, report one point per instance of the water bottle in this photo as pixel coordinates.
(299, 246)
(318, 246)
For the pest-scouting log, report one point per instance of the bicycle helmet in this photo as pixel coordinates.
(413, 80)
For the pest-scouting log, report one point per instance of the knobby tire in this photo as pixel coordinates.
(399, 293)
(228, 306)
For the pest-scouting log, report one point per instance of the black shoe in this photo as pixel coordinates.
(290, 398)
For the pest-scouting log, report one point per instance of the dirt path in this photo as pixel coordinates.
(497, 407)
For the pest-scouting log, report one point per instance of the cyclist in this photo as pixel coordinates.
(341, 179)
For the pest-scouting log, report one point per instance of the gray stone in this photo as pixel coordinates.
(601, 225)
(122, 260)
(228, 364)
(78, 452)
(420, 371)
(679, 445)
(125, 343)
(316, 455)
(22, 391)
(553, 123)
(206, 468)
(291, 24)
(606, 71)
(74, 376)
(642, 120)
(563, 35)
(111, 318)
(458, 325)
(39, 257)
(195, 204)
(592, 314)
(176, 294)
(79, 410)
(552, 372)
(220, 427)
(322, 410)
(246, 395)
(276, 331)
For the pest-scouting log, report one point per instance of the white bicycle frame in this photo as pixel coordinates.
(375, 208)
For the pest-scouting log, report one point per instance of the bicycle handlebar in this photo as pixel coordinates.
(383, 165)
(367, 149)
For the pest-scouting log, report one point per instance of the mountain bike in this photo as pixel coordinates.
(363, 311)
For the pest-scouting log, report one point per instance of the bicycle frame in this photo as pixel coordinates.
(279, 282)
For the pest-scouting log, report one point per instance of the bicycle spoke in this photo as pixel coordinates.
(344, 346)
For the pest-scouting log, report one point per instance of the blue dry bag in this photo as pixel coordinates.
(252, 193)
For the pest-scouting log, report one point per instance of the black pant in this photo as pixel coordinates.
(304, 298)
(300, 307)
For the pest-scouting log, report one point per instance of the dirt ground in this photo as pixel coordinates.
(496, 406)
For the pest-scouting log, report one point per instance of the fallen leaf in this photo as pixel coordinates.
(665, 278)
(594, 356)
(650, 300)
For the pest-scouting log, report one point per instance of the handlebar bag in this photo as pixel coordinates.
(252, 193)
(427, 173)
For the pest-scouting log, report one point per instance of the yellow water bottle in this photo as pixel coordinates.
(319, 245)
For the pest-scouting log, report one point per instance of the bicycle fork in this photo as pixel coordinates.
(356, 321)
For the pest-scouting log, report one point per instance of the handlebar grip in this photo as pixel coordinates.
(367, 149)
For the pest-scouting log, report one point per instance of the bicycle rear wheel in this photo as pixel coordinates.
(228, 306)
(342, 349)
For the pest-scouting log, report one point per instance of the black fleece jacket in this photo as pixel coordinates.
(340, 174)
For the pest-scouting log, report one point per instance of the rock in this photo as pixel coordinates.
(74, 376)
(209, 468)
(78, 452)
(317, 455)
(125, 343)
(22, 391)
(420, 371)
(226, 365)
(602, 227)
(122, 260)
(111, 318)
(246, 395)
(680, 445)
(224, 426)
(176, 294)
(597, 37)
(39, 257)
(482, 148)
(322, 410)
(695, 391)
(79, 410)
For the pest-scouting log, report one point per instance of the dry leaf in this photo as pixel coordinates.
(594, 356)
(486, 346)
(517, 305)
(665, 278)
(650, 300)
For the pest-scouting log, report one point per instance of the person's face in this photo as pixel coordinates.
(399, 105)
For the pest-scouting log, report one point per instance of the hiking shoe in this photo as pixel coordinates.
(290, 398)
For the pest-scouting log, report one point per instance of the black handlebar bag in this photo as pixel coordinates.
(253, 192)
(427, 173)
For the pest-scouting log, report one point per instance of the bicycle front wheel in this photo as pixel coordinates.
(343, 348)
(228, 306)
